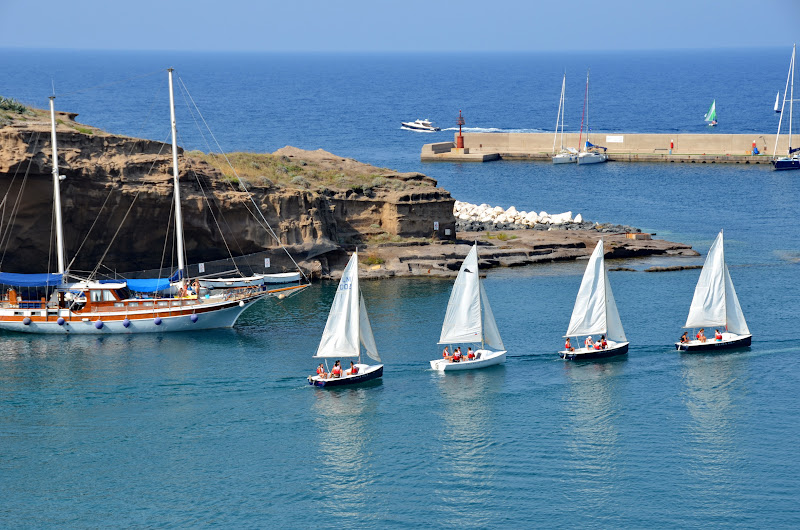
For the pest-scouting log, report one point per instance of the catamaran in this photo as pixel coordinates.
(711, 115)
(469, 320)
(565, 155)
(346, 330)
(715, 306)
(595, 315)
(63, 302)
(792, 158)
(591, 154)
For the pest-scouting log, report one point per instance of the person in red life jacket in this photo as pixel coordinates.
(353, 369)
(603, 343)
(446, 354)
(321, 371)
(457, 355)
(717, 335)
(701, 336)
(337, 370)
(568, 345)
(470, 354)
(588, 342)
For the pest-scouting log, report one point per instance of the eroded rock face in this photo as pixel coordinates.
(118, 190)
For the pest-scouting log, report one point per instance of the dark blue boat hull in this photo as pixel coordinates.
(596, 354)
(348, 381)
(786, 163)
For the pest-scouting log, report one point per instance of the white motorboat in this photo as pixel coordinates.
(250, 281)
(715, 305)
(595, 313)
(420, 125)
(346, 330)
(469, 320)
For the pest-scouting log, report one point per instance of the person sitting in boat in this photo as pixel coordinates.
(321, 371)
(353, 369)
(446, 354)
(336, 371)
(598, 345)
(457, 355)
(603, 342)
(470, 354)
(588, 343)
(717, 335)
(685, 337)
(568, 345)
(701, 335)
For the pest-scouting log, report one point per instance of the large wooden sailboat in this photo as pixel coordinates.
(62, 302)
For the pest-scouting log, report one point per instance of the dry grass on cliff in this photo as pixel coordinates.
(266, 170)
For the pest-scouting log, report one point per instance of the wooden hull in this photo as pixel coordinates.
(369, 374)
(488, 358)
(738, 341)
(584, 354)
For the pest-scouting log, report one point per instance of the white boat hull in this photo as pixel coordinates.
(592, 158)
(729, 341)
(365, 373)
(580, 354)
(487, 358)
(565, 158)
(282, 277)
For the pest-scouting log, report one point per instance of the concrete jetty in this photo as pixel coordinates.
(707, 148)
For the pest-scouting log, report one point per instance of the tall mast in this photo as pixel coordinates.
(559, 116)
(57, 191)
(176, 184)
(791, 99)
(583, 114)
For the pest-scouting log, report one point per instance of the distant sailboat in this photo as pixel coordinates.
(792, 158)
(711, 115)
(346, 330)
(565, 155)
(777, 97)
(595, 313)
(590, 154)
(715, 305)
(469, 319)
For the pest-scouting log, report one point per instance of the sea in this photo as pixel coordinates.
(220, 428)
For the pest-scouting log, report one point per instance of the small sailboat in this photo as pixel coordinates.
(777, 97)
(595, 314)
(565, 155)
(711, 115)
(715, 305)
(591, 154)
(792, 158)
(469, 320)
(346, 330)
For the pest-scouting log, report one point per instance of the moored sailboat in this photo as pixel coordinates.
(595, 313)
(792, 158)
(565, 155)
(469, 320)
(715, 305)
(590, 154)
(346, 331)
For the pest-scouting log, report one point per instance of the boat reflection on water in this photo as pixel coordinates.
(344, 419)
(712, 385)
(466, 443)
(593, 412)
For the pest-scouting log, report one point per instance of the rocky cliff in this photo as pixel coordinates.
(118, 202)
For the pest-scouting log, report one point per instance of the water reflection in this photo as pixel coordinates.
(468, 447)
(593, 408)
(345, 420)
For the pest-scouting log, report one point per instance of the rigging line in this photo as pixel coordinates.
(6, 237)
(241, 182)
(89, 232)
(87, 89)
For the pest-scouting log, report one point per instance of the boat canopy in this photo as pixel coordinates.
(30, 280)
(590, 145)
(148, 285)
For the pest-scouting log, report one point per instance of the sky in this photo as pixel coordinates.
(399, 25)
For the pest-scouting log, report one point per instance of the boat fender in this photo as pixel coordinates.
(26, 321)
(157, 321)
(194, 318)
(99, 324)
(60, 321)
(241, 303)
(126, 323)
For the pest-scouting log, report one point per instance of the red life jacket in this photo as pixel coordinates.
(354, 371)
(337, 370)
(320, 370)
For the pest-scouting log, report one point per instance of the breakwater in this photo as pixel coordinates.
(707, 148)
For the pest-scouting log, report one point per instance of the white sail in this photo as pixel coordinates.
(367, 339)
(491, 335)
(595, 311)
(462, 321)
(341, 337)
(777, 97)
(715, 302)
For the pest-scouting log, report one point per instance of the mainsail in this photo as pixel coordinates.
(715, 302)
(465, 320)
(595, 310)
(711, 115)
(348, 324)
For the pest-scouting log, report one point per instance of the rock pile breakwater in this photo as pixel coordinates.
(482, 217)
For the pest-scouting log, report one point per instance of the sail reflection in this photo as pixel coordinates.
(343, 418)
(467, 443)
(592, 409)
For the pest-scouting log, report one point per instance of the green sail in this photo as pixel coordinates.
(711, 115)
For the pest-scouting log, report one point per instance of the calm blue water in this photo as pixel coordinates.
(220, 428)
